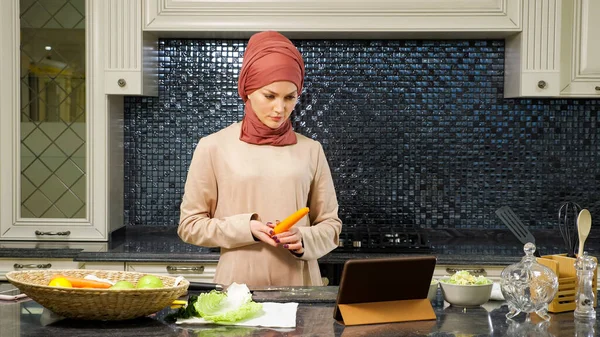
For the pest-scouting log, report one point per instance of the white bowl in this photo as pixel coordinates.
(432, 294)
(466, 295)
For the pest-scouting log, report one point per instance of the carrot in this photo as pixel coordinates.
(84, 283)
(291, 220)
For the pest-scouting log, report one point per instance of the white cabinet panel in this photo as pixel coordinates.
(119, 266)
(589, 28)
(130, 55)
(581, 53)
(98, 217)
(532, 58)
(483, 17)
(15, 264)
(200, 272)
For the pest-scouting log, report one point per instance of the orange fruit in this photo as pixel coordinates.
(60, 282)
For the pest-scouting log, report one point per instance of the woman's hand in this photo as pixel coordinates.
(263, 232)
(291, 240)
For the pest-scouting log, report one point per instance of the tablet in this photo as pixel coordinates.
(384, 279)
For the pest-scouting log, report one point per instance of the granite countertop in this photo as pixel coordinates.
(27, 318)
(161, 244)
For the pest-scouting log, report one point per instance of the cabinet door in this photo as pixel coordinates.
(581, 55)
(53, 184)
(413, 17)
(532, 57)
(200, 272)
(131, 55)
(12, 264)
(119, 266)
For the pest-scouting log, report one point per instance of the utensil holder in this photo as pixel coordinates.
(564, 268)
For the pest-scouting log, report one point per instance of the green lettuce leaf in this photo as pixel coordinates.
(230, 307)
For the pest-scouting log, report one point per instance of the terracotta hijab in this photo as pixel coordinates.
(269, 57)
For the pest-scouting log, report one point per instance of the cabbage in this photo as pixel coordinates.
(230, 307)
(463, 277)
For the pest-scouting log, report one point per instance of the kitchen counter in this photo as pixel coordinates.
(161, 244)
(27, 318)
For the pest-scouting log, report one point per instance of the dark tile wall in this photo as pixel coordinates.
(417, 133)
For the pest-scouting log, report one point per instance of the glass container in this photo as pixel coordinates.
(584, 307)
(528, 286)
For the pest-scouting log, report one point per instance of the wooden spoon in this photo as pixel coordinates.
(584, 224)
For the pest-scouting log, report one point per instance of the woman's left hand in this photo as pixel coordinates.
(290, 240)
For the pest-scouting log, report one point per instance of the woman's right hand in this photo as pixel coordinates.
(263, 231)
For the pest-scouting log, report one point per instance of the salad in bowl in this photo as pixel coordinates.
(464, 278)
(466, 290)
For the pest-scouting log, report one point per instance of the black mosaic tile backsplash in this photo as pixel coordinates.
(417, 133)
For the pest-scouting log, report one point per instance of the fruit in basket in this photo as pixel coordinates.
(78, 282)
(149, 281)
(122, 285)
(60, 282)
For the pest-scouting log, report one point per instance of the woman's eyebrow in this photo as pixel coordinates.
(274, 93)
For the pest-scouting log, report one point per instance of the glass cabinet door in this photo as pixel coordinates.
(52, 150)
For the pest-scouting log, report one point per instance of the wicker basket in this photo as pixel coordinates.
(97, 304)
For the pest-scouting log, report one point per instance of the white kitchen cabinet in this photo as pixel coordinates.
(18, 264)
(532, 57)
(407, 18)
(198, 272)
(131, 66)
(558, 52)
(118, 266)
(98, 185)
(580, 55)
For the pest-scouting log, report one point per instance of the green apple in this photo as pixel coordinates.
(149, 281)
(123, 285)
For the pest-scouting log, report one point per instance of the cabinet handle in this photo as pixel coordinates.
(597, 88)
(542, 84)
(474, 272)
(65, 233)
(32, 266)
(121, 82)
(191, 270)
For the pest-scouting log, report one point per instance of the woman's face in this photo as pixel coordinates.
(274, 103)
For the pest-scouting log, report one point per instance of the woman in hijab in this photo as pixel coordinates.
(248, 176)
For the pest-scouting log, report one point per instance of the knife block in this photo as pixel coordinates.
(564, 268)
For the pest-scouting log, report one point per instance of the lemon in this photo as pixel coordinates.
(60, 282)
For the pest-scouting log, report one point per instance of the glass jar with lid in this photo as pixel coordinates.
(528, 286)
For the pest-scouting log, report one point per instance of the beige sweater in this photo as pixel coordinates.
(230, 180)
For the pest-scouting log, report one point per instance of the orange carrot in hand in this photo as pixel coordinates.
(84, 283)
(291, 220)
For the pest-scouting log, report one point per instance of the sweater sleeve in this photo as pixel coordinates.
(196, 223)
(323, 234)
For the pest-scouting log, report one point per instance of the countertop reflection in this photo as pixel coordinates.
(27, 318)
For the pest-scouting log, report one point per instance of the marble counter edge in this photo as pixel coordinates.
(328, 259)
(35, 253)
(147, 257)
